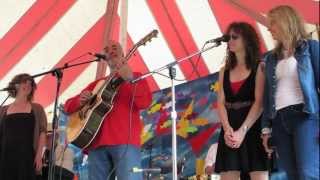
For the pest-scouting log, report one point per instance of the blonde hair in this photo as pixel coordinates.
(291, 25)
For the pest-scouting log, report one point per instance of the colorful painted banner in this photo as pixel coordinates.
(197, 126)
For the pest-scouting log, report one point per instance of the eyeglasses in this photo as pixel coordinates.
(234, 37)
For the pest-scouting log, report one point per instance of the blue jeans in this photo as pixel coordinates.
(123, 158)
(296, 137)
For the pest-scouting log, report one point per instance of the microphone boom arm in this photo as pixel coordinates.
(174, 63)
(66, 66)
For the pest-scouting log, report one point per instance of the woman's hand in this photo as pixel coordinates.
(38, 162)
(209, 170)
(228, 136)
(265, 138)
(237, 138)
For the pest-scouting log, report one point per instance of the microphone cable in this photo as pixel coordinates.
(129, 135)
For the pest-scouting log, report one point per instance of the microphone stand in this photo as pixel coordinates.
(58, 73)
(149, 148)
(172, 74)
(5, 100)
(150, 161)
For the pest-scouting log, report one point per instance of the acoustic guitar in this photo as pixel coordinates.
(84, 124)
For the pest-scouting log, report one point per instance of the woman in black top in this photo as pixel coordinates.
(22, 132)
(240, 105)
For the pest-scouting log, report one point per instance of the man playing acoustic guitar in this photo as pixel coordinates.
(115, 150)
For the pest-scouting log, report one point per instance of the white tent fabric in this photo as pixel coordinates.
(37, 36)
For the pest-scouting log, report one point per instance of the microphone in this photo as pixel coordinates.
(100, 56)
(152, 170)
(224, 38)
(8, 89)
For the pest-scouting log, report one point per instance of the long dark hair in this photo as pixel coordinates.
(251, 44)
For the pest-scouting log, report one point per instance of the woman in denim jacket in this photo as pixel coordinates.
(291, 96)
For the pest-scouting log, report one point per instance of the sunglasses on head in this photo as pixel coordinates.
(234, 37)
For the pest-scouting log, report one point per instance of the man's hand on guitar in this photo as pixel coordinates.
(125, 72)
(85, 97)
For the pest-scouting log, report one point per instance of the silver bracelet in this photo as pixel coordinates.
(266, 131)
(245, 128)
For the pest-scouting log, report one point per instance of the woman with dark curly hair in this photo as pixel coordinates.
(23, 127)
(240, 106)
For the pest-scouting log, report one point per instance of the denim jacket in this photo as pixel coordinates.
(307, 56)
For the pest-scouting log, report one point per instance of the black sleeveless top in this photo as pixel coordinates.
(250, 156)
(246, 91)
(16, 147)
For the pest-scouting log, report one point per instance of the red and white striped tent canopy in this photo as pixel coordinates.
(37, 36)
